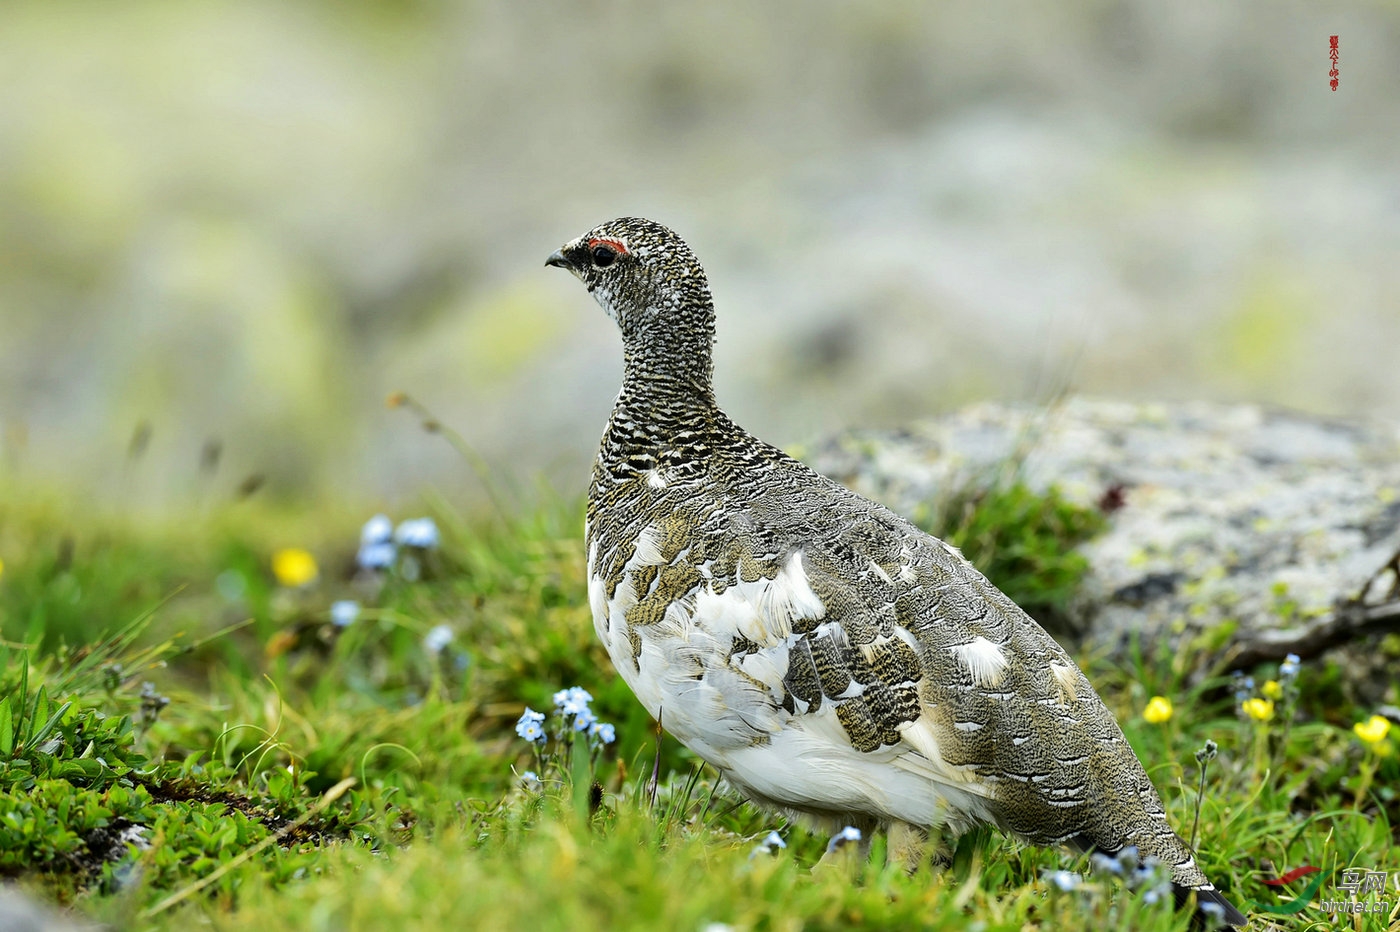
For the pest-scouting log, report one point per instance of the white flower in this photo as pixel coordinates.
(377, 530)
(438, 638)
(844, 837)
(344, 613)
(1103, 862)
(417, 532)
(1063, 880)
(376, 556)
(572, 701)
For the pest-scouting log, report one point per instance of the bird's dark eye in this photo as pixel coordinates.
(604, 256)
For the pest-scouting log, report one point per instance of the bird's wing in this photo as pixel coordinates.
(916, 649)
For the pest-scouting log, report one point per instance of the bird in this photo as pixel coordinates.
(827, 657)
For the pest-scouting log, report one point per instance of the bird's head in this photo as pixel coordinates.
(645, 277)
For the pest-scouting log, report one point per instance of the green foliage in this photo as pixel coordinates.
(216, 795)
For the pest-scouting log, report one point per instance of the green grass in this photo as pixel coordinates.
(303, 776)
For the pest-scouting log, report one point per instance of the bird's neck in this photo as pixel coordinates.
(666, 411)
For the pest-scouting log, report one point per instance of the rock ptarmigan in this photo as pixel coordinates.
(826, 656)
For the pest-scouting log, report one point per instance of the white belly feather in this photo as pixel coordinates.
(729, 710)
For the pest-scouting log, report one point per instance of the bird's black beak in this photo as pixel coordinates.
(559, 260)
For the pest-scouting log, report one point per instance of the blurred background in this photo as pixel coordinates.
(228, 230)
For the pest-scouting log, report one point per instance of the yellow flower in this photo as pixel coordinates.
(1373, 730)
(294, 567)
(1261, 710)
(1272, 689)
(1159, 709)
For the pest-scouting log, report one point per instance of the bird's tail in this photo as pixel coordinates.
(1213, 911)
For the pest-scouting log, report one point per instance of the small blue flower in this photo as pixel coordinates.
(529, 725)
(1128, 859)
(768, 845)
(1150, 872)
(1287, 670)
(376, 556)
(377, 530)
(572, 701)
(438, 638)
(846, 836)
(1063, 880)
(1102, 862)
(344, 612)
(603, 732)
(1213, 912)
(417, 532)
(530, 780)
(585, 720)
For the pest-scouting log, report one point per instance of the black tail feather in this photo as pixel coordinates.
(1228, 918)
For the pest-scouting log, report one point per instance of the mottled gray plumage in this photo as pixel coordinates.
(828, 657)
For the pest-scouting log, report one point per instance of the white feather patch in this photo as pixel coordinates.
(983, 659)
(810, 764)
(786, 598)
(597, 595)
(647, 551)
(1067, 678)
(624, 597)
(727, 613)
(767, 666)
(676, 621)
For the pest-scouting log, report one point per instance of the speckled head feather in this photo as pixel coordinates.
(825, 655)
(647, 280)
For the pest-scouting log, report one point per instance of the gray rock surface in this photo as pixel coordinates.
(19, 913)
(1286, 524)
